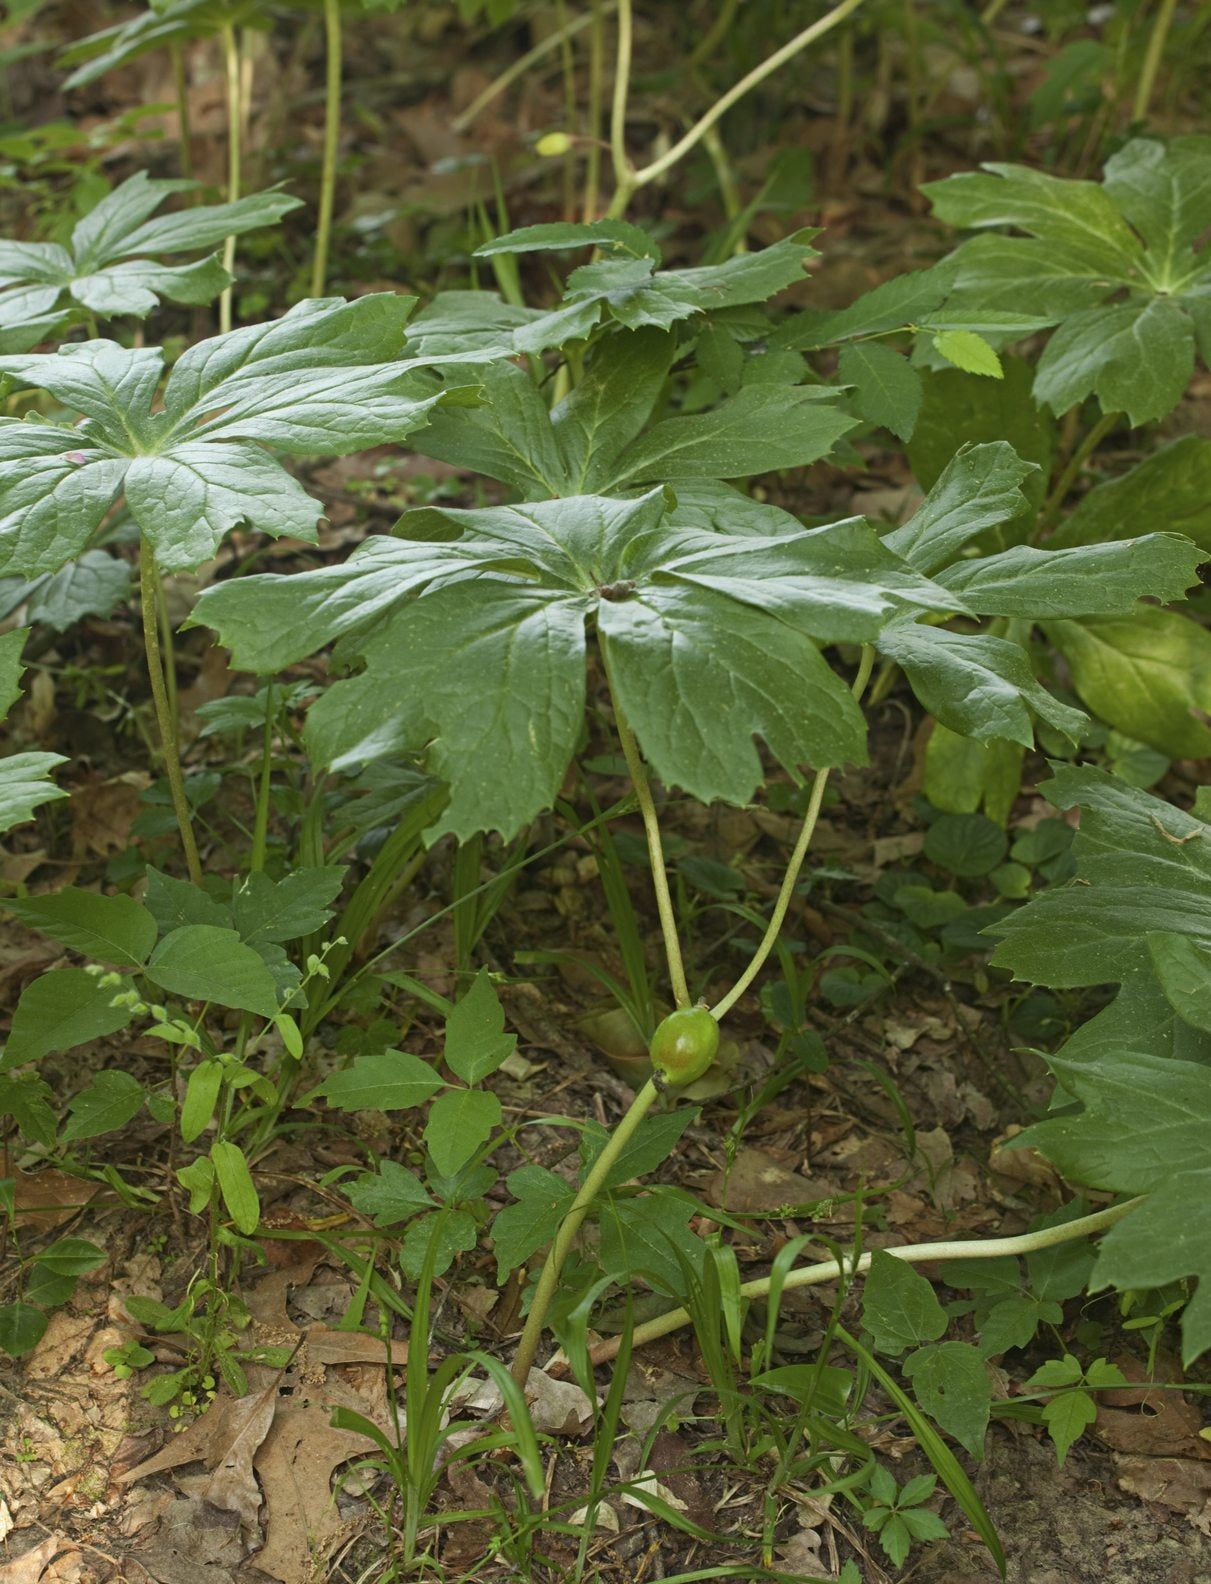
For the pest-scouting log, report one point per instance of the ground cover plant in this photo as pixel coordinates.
(563, 758)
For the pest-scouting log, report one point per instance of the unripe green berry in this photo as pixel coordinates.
(684, 1045)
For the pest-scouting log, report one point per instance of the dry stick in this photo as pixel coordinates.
(149, 583)
(911, 1254)
(629, 179)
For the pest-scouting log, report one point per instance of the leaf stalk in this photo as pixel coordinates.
(332, 138)
(527, 1348)
(149, 600)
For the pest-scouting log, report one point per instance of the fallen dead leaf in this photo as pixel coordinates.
(233, 1486)
(323, 1345)
(225, 1439)
(193, 1544)
(32, 1565)
(296, 1462)
(46, 1199)
(760, 1182)
(1181, 1484)
(557, 1407)
(65, 1337)
(102, 813)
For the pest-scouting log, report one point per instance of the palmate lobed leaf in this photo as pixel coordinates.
(1114, 266)
(112, 264)
(709, 640)
(982, 686)
(710, 616)
(1142, 866)
(1144, 1127)
(626, 288)
(327, 377)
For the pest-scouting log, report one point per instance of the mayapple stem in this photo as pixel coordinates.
(231, 60)
(332, 138)
(1055, 501)
(790, 878)
(531, 1336)
(911, 1254)
(651, 826)
(149, 596)
(627, 178)
(1152, 59)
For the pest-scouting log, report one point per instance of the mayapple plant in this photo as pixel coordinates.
(708, 613)
(112, 264)
(197, 462)
(624, 568)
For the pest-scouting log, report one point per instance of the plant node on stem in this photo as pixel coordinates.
(149, 584)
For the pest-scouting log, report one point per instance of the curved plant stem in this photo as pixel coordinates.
(184, 131)
(231, 60)
(522, 64)
(911, 1254)
(790, 879)
(1072, 471)
(592, 173)
(737, 91)
(715, 34)
(651, 826)
(1162, 22)
(168, 656)
(527, 1348)
(624, 174)
(149, 584)
(332, 139)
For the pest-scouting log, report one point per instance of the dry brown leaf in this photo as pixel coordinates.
(102, 813)
(46, 1199)
(32, 1565)
(1181, 1484)
(225, 1439)
(296, 1462)
(65, 1337)
(760, 1182)
(233, 1486)
(323, 1345)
